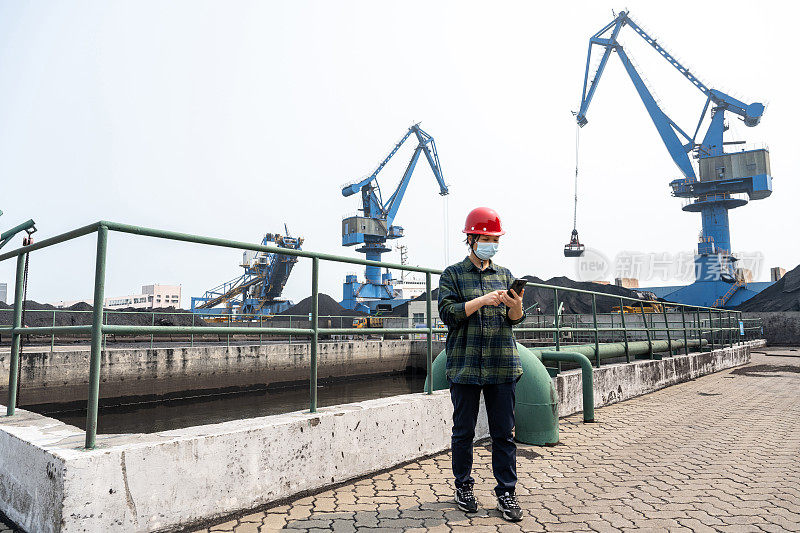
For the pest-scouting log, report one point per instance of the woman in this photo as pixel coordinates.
(475, 304)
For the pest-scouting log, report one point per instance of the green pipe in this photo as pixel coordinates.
(617, 349)
(587, 378)
(429, 348)
(649, 339)
(74, 234)
(8, 235)
(97, 338)
(44, 330)
(622, 317)
(314, 331)
(536, 408)
(596, 337)
(685, 338)
(236, 330)
(226, 243)
(13, 370)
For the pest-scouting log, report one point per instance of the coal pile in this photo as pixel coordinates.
(327, 306)
(80, 314)
(783, 295)
(573, 302)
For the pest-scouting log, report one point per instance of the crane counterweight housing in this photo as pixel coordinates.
(726, 179)
(373, 226)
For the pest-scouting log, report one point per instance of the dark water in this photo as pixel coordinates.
(186, 412)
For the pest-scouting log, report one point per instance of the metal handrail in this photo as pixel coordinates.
(98, 328)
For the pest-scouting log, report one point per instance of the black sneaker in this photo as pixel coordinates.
(465, 499)
(508, 505)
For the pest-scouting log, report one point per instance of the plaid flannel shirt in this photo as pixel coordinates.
(480, 348)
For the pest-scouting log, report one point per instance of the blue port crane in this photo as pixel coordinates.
(724, 177)
(257, 291)
(374, 225)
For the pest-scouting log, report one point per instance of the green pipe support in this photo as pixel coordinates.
(536, 403)
(587, 378)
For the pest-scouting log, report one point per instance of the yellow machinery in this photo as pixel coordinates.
(368, 322)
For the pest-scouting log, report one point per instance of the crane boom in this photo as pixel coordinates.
(723, 177)
(374, 226)
(667, 128)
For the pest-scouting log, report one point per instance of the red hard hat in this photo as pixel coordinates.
(483, 221)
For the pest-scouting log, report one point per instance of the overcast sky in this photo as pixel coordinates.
(231, 118)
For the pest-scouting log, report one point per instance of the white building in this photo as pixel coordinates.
(3, 293)
(408, 288)
(152, 296)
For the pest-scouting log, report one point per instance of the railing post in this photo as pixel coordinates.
(429, 323)
(647, 329)
(191, 338)
(152, 323)
(710, 331)
(666, 325)
(13, 367)
(314, 327)
(730, 331)
(555, 319)
(624, 330)
(596, 336)
(261, 325)
(97, 337)
(53, 335)
(685, 337)
(699, 326)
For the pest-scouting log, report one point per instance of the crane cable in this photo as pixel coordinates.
(575, 207)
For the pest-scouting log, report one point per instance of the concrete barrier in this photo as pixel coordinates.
(172, 479)
(142, 373)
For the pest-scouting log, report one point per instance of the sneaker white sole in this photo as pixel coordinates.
(505, 516)
(464, 509)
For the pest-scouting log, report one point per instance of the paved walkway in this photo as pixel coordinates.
(718, 453)
(721, 453)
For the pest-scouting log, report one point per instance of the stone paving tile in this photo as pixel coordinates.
(720, 453)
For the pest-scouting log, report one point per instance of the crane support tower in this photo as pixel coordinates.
(258, 290)
(725, 180)
(374, 225)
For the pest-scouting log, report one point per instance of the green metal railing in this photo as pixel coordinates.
(222, 321)
(719, 326)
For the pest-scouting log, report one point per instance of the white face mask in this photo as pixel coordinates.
(486, 250)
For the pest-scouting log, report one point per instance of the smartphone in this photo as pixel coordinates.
(518, 285)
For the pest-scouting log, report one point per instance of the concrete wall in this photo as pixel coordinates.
(780, 328)
(172, 479)
(62, 376)
(618, 382)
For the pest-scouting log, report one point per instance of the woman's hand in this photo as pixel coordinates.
(492, 298)
(514, 302)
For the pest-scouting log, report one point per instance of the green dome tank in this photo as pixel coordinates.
(536, 411)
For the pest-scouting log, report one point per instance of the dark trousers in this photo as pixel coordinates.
(499, 401)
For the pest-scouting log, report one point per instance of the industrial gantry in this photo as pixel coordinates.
(374, 226)
(257, 291)
(721, 175)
